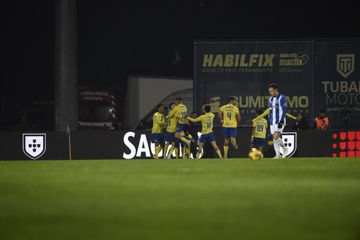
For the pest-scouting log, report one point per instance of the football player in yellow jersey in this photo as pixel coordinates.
(258, 137)
(229, 116)
(181, 114)
(207, 134)
(157, 129)
(170, 134)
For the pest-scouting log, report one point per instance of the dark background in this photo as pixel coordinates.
(117, 38)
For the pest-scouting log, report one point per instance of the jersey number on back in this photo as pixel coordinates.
(229, 115)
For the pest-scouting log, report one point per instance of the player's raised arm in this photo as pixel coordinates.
(198, 119)
(171, 114)
(290, 116)
(266, 112)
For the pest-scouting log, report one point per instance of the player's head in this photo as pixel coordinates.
(160, 108)
(178, 100)
(273, 89)
(232, 100)
(206, 108)
(194, 115)
(259, 112)
(171, 106)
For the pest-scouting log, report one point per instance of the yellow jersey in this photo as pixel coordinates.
(181, 113)
(207, 122)
(260, 125)
(158, 123)
(171, 128)
(229, 115)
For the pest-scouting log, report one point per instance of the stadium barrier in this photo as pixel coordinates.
(137, 145)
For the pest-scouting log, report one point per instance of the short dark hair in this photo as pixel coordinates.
(259, 111)
(178, 99)
(207, 108)
(231, 98)
(322, 111)
(273, 85)
(159, 105)
(170, 104)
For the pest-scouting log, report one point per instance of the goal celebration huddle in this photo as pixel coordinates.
(172, 132)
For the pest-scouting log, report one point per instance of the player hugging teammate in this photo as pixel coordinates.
(177, 134)
(177, 126)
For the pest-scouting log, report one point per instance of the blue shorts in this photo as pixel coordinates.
(157, 138)
(229, 132)
(169, 137)
(259, 142)
(182, 127)
(207, 138)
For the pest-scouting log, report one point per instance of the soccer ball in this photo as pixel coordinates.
(255, 154)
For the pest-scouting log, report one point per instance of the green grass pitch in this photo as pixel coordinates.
(297, 198)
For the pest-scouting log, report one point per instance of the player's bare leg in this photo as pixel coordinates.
(234, 143)
(172, 149)
(216, 148)
(200, 150)
(183, 151)
(166, 147)
(226, 147)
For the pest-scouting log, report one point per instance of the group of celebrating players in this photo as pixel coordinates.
(177, 123)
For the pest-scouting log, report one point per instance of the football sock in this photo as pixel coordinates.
(166, 149)
(198, 154)
(172, 148)
(177, 152)
(277, 148)
(183, 150)
(218, 153)
(157, 150)
(187, 152)
(226, 150)
(280, 142)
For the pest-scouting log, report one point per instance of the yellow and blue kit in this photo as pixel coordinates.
(229, 120)
(157, 129)
(207, 123)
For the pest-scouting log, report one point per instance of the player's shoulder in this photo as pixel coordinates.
(209, 114)
(281, 95)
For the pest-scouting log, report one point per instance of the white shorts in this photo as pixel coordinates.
(274, 128)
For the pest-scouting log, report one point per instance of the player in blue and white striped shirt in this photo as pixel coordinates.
(277, 118)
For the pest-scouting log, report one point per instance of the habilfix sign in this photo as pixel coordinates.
(244, 69)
